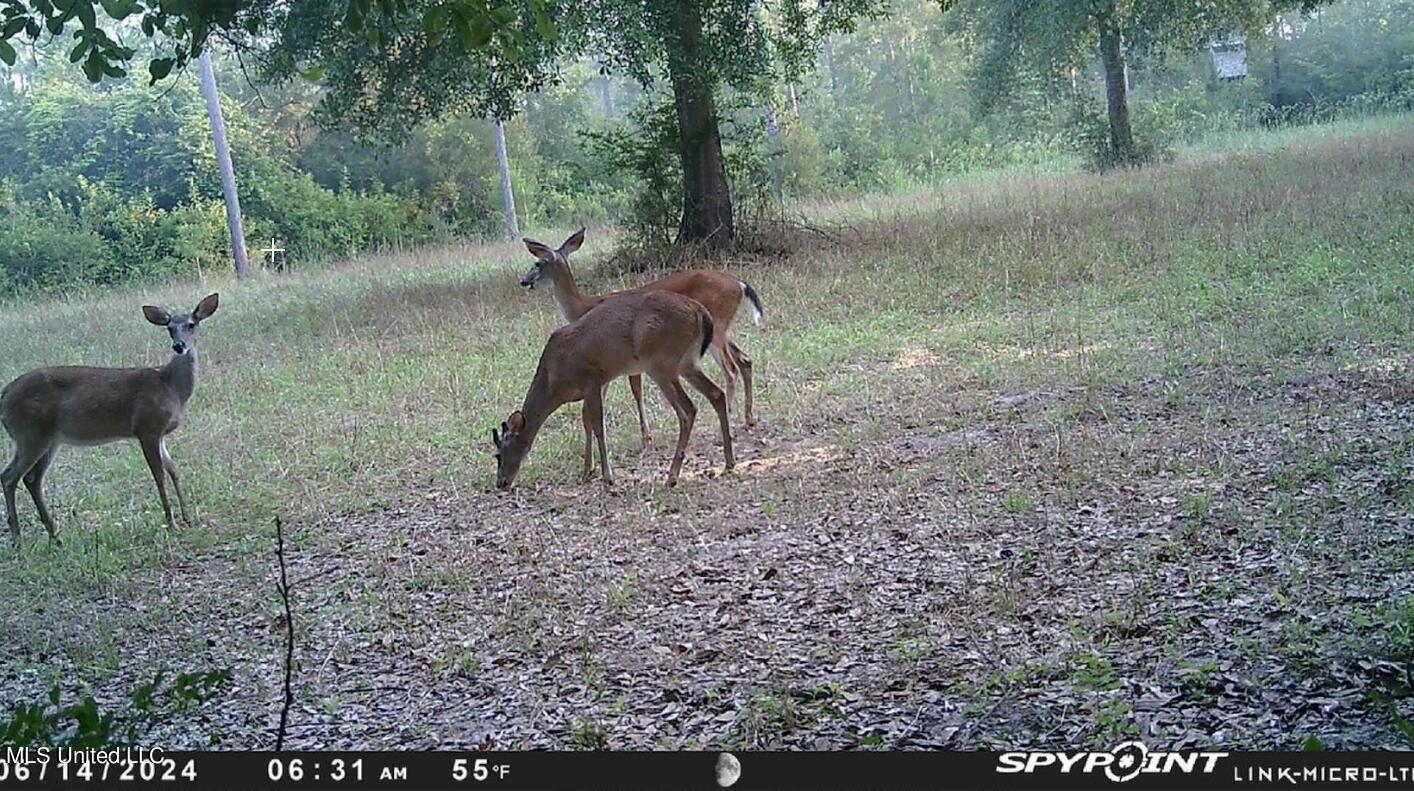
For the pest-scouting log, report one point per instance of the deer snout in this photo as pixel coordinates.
(179, 347)
(528, 283)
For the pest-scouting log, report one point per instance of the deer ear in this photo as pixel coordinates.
(156, 315)
(539, 250)
(516, 421)
(571, 244)
(206, 307)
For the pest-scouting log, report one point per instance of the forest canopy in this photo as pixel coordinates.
(116, 181)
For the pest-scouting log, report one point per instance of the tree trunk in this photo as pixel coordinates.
(1117, 98)
(830, 67)
(223, 162)
(706, 196)
(773, 130)
(508, 198)
(607, 96)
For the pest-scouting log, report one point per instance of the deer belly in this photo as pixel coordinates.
(82, 438)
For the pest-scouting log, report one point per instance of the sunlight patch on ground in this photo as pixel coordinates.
(818, 455)
(915, 357)
(1397, 363)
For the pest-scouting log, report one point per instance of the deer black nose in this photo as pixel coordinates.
(179, 348)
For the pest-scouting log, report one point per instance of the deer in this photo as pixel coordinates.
(719, 292)
(80, 405)
(656, 333)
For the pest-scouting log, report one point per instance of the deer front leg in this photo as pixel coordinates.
(152, 451)
(171, 468)
(635, 383)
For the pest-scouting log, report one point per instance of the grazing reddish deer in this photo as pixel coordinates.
(657, 333)
(77, 405)
(719, 292)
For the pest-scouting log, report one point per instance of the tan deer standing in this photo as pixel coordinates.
(719, 292)
(78, 405)
(657, 333)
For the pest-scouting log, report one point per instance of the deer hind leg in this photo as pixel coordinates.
(594, 419)
(635, 383)
(24, 458)
(152, 451)
(743, 364)
(687, 413)
(171, 468)
(724, 358)
(34, 481)
(586, 473)
(705, 386)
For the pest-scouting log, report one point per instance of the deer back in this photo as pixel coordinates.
(627, 333)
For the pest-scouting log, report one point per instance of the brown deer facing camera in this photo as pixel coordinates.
(78, 405)
(719, 292)
(657, 333)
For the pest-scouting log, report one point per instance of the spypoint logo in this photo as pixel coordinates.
(1123, 763)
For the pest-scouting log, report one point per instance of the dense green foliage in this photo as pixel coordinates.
(84, 724)
(101, 185)
(176, 32)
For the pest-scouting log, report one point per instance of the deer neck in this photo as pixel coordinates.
(540, 402)
(571, 301)
(180, 374)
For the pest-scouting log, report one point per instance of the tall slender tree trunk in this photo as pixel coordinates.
(706, 196)
(508, 198)
(223, 162)
(773, 134)
(607, 96)
(1116, 95)
(830, 67)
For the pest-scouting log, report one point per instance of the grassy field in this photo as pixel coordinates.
(1045, 458)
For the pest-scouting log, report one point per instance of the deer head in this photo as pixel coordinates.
(549, 261)
(182, 328)
(512, 444)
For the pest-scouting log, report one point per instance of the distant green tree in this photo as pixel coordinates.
(179, 29)
(388, 86)
(1056, 36)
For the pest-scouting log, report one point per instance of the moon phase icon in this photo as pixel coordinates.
(728, 770)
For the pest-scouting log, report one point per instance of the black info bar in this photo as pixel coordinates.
(1131, 765)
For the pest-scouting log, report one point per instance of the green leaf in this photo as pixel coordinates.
(544, 26)
(77, 54)
(93, 67)
(7, 53)
(481, 31)
(313, 73)
(13, 26)
(159, 69)
(84, 10)
(1312, 745)
(353, 20)
(434, 22)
